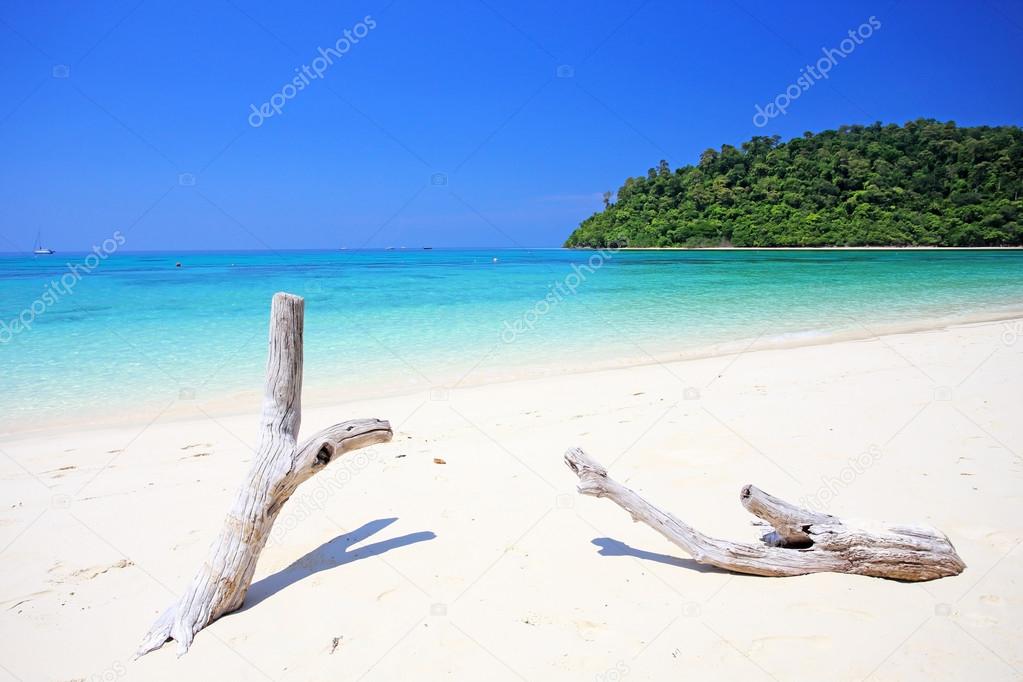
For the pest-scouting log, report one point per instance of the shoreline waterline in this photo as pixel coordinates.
(138, 334)
(316, 397)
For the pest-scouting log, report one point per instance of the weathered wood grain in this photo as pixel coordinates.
(802, 542)
(279, 467)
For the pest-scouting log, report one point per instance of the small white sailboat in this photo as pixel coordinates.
(41, 250)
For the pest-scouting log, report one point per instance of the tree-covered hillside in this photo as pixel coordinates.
(925, 183)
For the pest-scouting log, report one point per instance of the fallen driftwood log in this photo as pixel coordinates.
(802, 542)
(280, 465)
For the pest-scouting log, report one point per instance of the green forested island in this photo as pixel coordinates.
(922, 184)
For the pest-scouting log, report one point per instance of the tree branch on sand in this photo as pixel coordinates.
(281, 464)
(802, 542)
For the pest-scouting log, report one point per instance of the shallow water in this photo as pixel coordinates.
(137, 331)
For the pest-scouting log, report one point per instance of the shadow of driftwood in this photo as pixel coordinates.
(609, 547)
(331, 554)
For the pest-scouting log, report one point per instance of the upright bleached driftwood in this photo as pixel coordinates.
(802, 542)
(280, 465)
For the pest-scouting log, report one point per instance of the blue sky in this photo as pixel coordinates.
(447, 124)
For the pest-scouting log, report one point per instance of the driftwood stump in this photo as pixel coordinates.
(802, 542)
(280, 465)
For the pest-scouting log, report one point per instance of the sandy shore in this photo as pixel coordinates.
(390, 566)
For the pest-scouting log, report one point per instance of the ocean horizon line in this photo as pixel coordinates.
(773, 249)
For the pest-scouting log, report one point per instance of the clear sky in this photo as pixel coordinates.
(446, 123)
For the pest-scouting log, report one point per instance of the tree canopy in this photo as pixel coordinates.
(926, 183)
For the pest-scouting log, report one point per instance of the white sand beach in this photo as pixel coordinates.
(490, 566)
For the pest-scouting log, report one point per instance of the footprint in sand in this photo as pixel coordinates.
(57, 473)
(198, 454)
(83, 574)
(24, 600)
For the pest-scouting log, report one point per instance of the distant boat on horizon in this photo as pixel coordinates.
(39, 249)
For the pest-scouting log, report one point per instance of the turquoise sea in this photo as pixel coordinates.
(138, 333)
